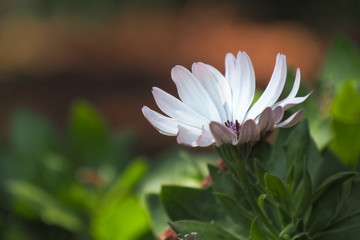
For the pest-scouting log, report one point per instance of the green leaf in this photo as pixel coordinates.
(341, 63)
(43, 205)
(205, 231)
(223, 182)
(345, 228)
(88, 134)
(157, 213)
(238, 213)
(327, 201)
(277, 190)
(128, 179)
(257, 232)
(345, 111)
(119, 220)
(31, 138)
(303, 196)
(332, 181)
(189, 203)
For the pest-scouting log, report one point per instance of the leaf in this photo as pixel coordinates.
(119, 220)
(89, 136)
(157, 213)
(327, 201)
(43, 205)
(345, 228)
(277, 190)
(345, 111)
(238, 213)
(205, 231)
(128, 179)
(32, 138)
(256, 231)
(182, 203)
(223, 182)
(341, 63)
(303, 196)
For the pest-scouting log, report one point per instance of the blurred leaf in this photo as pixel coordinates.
(119, 220)
(157, 213)
(127, 180)
(341, 63)
(43, 205)
(205, 231)
(31, 138)
(345, 111)
(88, 134)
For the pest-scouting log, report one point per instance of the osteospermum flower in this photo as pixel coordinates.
(218, 108)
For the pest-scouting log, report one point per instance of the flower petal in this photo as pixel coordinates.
(188, 135)
(294, 101)
(266, 120)
(278, 114)
(246, 79)
(205, 139)
(273, 89)
(178, 110)
(192, 93)
(249, 132)
(222, 134)
(226, 91)
(292, 120)
(212, 85)
(164, 125)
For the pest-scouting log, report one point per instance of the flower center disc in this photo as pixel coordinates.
(234, 126)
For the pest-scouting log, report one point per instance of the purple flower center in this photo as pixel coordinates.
(235, 127)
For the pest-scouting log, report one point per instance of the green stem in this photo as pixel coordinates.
(237, 158)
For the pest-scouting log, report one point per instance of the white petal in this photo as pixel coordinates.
(222, 134)
(249, 132)
(273, 89)
(266, 120)
(291, 99)
(294, 101)
(226, 91)
(178, 110)
(205, 139)
(246, 80)
(193, 93)
(230, 65)
(188, 135)
(292, 120)
(164, 125)
(212, 85)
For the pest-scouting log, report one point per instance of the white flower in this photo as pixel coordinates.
(218, 108)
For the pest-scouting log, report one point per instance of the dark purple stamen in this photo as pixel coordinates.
(235, 127)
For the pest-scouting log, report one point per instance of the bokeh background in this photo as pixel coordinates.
(74, 75)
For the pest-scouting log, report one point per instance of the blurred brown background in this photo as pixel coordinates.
(112, 53)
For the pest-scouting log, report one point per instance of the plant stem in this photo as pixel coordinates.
(237, 158)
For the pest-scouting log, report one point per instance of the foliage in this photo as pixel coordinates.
(77, 185)
(301, 192)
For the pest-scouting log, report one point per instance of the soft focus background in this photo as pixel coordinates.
(76, 154)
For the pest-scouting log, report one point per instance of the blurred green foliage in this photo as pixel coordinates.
(79, 185)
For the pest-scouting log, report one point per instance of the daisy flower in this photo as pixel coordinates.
(217, 108)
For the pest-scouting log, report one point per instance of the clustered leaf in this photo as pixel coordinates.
(301, 192)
